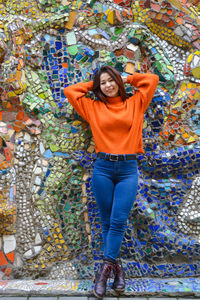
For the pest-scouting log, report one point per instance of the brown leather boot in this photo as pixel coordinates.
(101, 278)
(119, 280)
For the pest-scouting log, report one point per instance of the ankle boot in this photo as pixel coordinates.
(101, 278)
(119, 279)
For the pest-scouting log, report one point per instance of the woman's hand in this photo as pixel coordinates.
(124, 79)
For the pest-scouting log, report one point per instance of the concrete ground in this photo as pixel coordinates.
(90, 298)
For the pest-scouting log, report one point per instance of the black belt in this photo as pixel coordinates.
(116, 157)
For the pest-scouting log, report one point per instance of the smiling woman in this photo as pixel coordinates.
(108, 86)
(112, 119)
(108, 83)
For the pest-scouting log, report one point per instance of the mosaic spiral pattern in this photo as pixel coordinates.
(50, 225)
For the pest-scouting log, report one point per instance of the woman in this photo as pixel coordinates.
(116, 123)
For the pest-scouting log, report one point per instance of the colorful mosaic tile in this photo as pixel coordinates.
(50, 225)
(140, 288)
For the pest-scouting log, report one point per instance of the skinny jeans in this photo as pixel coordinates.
(114, 186)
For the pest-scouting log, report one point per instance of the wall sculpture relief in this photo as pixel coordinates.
(50, 224)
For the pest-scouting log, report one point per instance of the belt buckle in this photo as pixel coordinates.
(111, 157)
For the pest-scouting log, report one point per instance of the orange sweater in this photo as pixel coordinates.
(117, 125)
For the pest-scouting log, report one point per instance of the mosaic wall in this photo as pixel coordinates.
(49, 221)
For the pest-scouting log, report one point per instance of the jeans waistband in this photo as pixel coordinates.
(116, 157)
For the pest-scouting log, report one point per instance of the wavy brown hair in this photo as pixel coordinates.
(115, 76)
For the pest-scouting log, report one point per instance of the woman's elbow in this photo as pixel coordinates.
(156, 78)
(66, 92)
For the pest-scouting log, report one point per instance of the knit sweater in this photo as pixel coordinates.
(116, 126)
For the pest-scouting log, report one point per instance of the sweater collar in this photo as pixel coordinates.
(114, 100)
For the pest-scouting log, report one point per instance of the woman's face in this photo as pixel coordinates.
(108, 86)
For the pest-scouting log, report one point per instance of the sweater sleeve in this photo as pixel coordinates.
(146, 84)
(76, 96)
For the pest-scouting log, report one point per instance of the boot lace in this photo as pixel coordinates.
(118, 268)
(107, 270)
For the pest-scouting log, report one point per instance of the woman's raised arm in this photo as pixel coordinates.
(146, 84)
(76, 96)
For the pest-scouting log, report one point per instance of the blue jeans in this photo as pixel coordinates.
(114, 185)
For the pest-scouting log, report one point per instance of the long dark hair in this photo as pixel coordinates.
(115, 76)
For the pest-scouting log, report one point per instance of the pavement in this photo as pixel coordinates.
(87, 298)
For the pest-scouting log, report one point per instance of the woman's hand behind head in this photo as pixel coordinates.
(124, 79)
